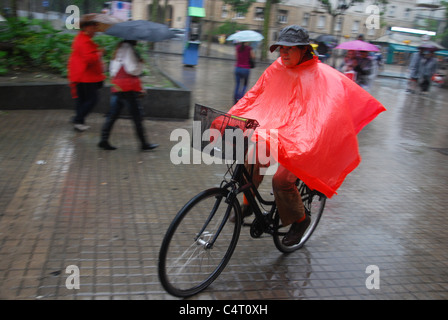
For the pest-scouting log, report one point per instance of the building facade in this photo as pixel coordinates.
(429, 14)
(358, 19)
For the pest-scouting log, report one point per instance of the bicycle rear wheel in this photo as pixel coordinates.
(314, 203)
(199, 243)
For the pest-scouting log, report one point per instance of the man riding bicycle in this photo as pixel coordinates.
(318, 113)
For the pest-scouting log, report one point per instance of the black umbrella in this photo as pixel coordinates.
(429, 45)
(327, 39)
(140, 30)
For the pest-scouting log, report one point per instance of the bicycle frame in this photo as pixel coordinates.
(236, 187)
(191, 256)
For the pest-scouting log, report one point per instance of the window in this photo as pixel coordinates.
(282, 16)
(407, 13)
(224, 11)
(259, 13)
(391, 11)
(239, 15)
(321, 22)
(306, 19)
(338, 24)
(355, 27)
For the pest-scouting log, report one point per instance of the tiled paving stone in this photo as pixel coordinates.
(65, 202)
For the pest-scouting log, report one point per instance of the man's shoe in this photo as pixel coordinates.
(149, 146)
(106, 146)
(296, 232)
(246, 210)
(81, 127)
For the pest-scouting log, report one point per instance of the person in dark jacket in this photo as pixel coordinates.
(427, 68)
(125, 69)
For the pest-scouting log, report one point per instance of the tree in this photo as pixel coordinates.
(240, 6)
(338, 7)
(155, 11)
(88, 6)
(12, 9)
(444, 36)
(266, 22)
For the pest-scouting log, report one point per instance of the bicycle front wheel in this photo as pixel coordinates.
(314, 203)
(199, 243)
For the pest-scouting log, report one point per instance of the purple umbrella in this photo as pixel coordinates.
(357, 45)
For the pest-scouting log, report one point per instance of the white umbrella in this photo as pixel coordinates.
(245, 36)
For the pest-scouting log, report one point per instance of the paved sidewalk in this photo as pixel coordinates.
(64, 202)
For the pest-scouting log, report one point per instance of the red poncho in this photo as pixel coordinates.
(318, 112)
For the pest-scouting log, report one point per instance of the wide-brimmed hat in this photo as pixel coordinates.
(291, 36)
(103, 21)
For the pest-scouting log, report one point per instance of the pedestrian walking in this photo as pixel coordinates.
(363, 69)
(427, 68)
(85, 72)
(414, 65)
(125, 68)
(244, 54)
(348, 65)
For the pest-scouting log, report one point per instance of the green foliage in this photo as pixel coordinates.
(241, 6)
(108, 43)
(229, 27)
(444, 35)
(36, 45)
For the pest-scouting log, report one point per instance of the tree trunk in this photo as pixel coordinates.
(14, 8)
(165, 12)
(267, 19)
(155, 11)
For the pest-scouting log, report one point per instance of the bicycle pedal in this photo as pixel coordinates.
(256, 229)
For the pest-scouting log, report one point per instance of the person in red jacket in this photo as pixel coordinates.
(125, 69)
(85, 72)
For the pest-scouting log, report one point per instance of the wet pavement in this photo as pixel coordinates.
(64, 202)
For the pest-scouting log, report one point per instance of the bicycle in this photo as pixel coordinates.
(201, 240)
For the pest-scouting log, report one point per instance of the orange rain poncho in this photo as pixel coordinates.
(318, 112)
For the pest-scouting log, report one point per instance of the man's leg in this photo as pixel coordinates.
(116, 105)
(236, 93)
(86, 101)
(135, 109)
(287, 197)
(290, 206)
